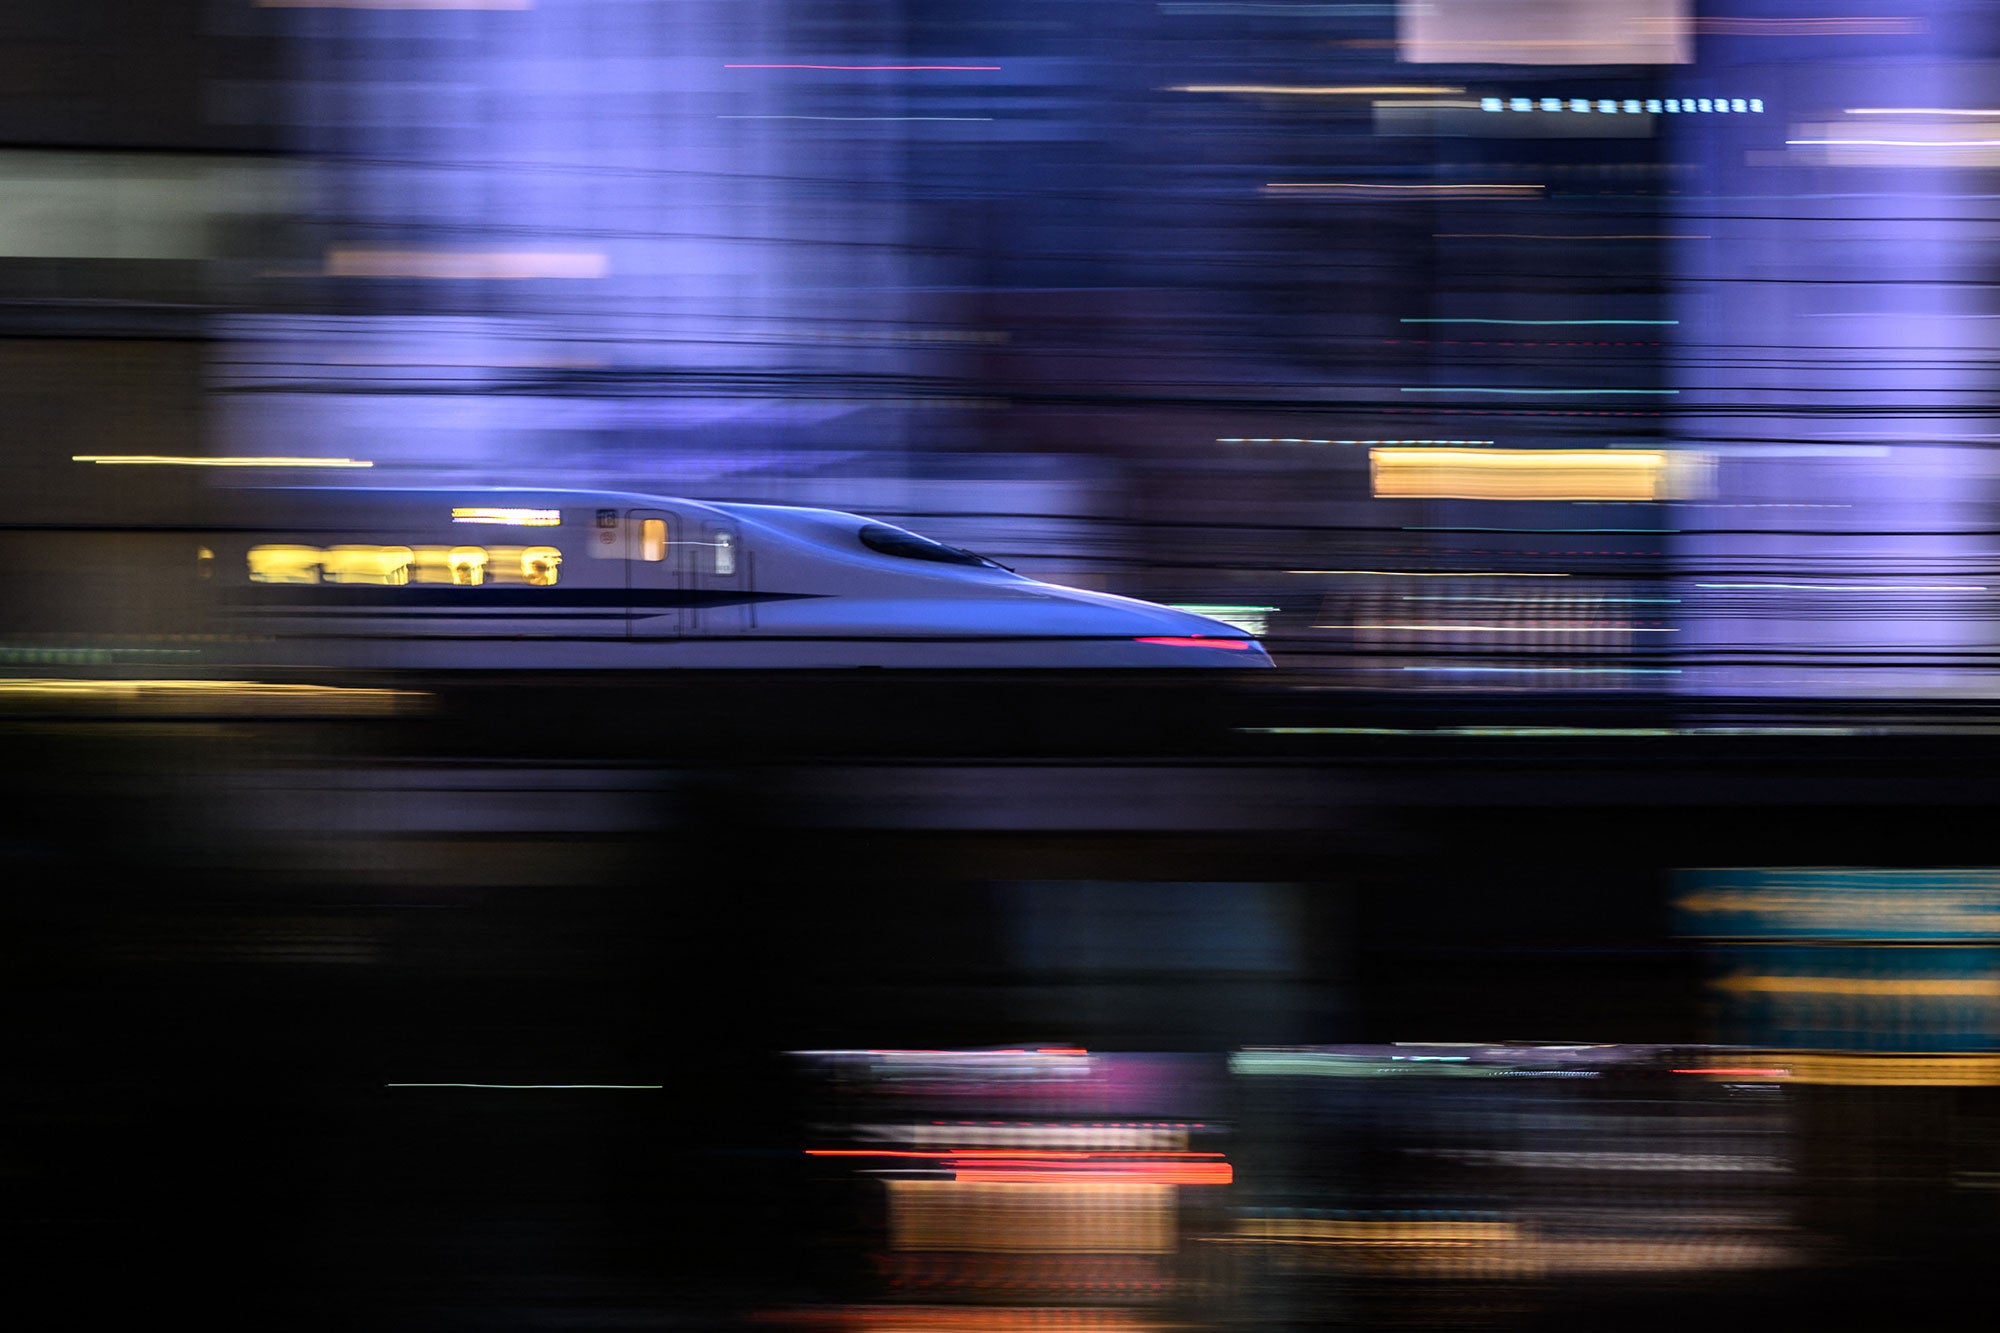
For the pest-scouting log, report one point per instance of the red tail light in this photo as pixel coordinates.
(1234, 645)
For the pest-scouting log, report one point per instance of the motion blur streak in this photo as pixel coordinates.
(264, 460)
(1521, 474)
(244, 697)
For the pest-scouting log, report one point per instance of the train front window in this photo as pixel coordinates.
(908, 545)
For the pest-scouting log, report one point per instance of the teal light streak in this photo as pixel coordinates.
(1470, 389)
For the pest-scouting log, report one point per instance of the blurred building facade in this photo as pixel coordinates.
(1131, 293)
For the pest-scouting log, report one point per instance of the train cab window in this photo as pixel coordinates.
(725, 553)
(540, 565)
(284, 564)
(899, 542)
(653, 539)
(467, 566)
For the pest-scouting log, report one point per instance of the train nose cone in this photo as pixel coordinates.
(1160, 630)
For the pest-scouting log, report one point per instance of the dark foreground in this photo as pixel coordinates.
(243, 929)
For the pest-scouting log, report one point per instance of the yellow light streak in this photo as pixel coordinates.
(226, 460)
(514, 518)
(184, 696)
(1519, 474)
(1895, 986)
(1375, 1231)
(1906, 1071)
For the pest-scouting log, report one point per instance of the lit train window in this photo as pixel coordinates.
(467, 565)
(539, 564)
(725, 553)
(204, 562)
(367, 564)
(652, 539)
(462, 566)
(284, 564)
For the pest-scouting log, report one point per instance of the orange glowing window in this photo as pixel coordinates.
(467, 565)
(540, 565)
(284, 564)
(389, 565)
(653, 539)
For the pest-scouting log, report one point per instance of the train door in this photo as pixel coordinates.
(657, 571)
(723, 575)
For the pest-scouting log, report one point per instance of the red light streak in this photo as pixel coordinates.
(1234, 645)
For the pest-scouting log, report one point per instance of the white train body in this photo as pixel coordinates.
(537, 579)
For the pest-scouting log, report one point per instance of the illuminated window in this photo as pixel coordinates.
(467, 565)
(540, 564)
(284, 564)
(1653, 105)
(1489, 104)
(725, 553)
(367, 564)
(1738, 104)
(204, 562)
(653, 539)
(1631, 107)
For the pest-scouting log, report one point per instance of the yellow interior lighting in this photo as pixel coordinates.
(1519, 474)
(540, 566)
(388, 565)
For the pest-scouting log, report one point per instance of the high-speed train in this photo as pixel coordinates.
(516, 578)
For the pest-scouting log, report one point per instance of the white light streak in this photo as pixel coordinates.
(1855, 587)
